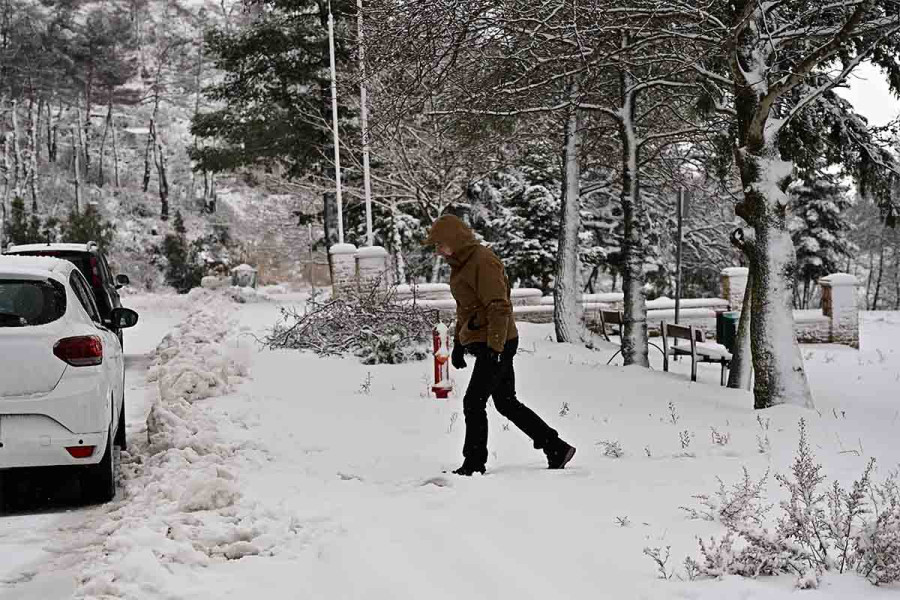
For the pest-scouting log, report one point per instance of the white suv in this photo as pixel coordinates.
(62, 388)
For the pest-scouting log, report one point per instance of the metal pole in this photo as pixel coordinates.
(678, 254)
(312, 260)
(334, 125)
(364, 118)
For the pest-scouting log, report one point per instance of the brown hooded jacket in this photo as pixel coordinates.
(479, 285)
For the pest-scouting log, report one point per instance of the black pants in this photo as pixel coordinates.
(499, 382)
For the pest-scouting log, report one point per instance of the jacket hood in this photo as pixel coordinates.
(452, 232)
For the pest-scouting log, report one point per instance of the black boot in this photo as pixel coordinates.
(558, 454)
(467, 469)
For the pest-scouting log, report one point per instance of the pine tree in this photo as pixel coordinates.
(184, 272)
(820, 232)
(517, 212)
(275, 88)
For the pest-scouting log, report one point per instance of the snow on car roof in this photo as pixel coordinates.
(49, 247)
(32, 267)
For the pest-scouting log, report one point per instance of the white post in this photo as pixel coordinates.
(343, 263)
(840, 304)
(334, 125)
(364, 121)
(734, 282)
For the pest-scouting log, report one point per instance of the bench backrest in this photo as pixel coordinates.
(611, 317)
(682, 332)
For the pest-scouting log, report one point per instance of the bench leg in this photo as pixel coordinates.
(693, 369)
(722, 378)
(611, 358)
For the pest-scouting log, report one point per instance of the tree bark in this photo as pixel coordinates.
(566, 306)
(106, 124)
(31, 178)
(76, 170)
(18, 162)
(51, 126)
(81, 140)
(741, 369)
(148, 151)
(780, 377)
(765, 177)
(115, 145)
(880, 272)
(634, 334)
(159, 157)
(400, 264)
(197, 82)
(7, 188)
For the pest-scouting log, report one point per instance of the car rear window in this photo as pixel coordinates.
(81, 260)
(30, 303)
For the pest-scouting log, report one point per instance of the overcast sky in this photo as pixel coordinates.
(869, 93)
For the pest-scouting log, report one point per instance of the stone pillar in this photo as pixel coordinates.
(372, 262)
(243, 276)
(734, 284)
(839, 303)
(343, 268)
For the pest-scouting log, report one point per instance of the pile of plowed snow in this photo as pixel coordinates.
(180, 505)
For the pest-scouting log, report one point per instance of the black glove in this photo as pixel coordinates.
(458, 355)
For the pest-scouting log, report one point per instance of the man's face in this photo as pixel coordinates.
(444, 250)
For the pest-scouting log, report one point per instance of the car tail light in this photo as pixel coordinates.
(80, 451)
(81, 351)
(95, 273)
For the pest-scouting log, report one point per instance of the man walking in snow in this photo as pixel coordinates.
(486, 329)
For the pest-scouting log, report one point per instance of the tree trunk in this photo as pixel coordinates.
(54, 149)
(197, 96)
(106, 124)
(51, 126)
(435, 268)
(634, 330)
(880, 272)
(780, 377)
(81, 141)
(159, 156)
(566, 306)
(7, 188)
(76, 170)
(115, 145)
(31, 179)
(869, 279)
(18, 162)
(148, 151)
(38, 130)
(85, 126)
(741, 369)
(400, 265)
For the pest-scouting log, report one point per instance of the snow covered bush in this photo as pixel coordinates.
(368, 323)
(820, 528)
(877, 543)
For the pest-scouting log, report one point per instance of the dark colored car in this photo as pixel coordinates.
(93, 265)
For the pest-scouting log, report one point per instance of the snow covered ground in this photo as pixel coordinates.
(282, 475)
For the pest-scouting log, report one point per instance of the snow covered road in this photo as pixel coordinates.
(283, 475)
(33, 560)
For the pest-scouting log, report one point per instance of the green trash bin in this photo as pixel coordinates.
(727, 327)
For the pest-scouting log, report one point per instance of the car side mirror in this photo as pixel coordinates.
(122, 280)
(123, 318)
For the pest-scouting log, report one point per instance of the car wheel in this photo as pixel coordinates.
(120, 432)
(98, 482)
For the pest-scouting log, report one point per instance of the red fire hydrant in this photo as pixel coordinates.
(442, 385)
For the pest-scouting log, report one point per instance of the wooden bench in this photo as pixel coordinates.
(616, 318)
(697, 348)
